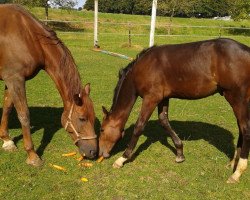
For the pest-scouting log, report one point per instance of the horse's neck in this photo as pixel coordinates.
(123, 105)
(63, 72)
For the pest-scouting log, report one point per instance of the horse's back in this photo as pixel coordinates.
(20, 51)
(193, 70)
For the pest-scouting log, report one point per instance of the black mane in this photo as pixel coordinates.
(123, 73)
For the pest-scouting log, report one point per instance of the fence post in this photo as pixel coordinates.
(220, 31)
(46, 6)
(129, 34)
(169, 28)
(96, 25)
(152, 29)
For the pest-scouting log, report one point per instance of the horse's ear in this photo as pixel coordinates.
(78, 101)
(87, 88)
(105, 112)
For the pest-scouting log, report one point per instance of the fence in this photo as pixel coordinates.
(130, 34)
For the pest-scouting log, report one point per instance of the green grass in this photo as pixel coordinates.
(207, 127)
(140, 24)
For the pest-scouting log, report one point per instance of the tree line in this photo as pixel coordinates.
(63, 4)
(66, 4)
(237, 9)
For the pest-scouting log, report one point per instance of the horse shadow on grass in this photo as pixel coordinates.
(217, 136)
(47, 118)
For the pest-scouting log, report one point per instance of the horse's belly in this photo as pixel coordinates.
(194, 90)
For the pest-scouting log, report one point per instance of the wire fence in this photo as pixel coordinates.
(121, 33)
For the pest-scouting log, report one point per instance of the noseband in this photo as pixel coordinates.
(69, 123)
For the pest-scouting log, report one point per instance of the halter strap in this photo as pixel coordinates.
(69, 123)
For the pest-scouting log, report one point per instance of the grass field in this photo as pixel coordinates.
(207, 127)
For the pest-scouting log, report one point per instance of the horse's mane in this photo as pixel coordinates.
(67, 64)
(123, 73)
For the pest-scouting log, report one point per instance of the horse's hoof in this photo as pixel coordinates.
(9, 146)
(36, 162)
(179, 159)
(232, 180)
(119, 162)
(117, 166)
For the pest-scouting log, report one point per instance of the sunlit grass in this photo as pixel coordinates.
(207, 127)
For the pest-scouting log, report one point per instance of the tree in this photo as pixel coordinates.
(124, 6)
(64, 4)
(239, 9)
(4, 1)
(211, 8)
(112, 6)
(193, 8)
(28, 3)
(89, 5)
(142, 7)
(46, 6)
(175, 7)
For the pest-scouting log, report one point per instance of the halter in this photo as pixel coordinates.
(69, 123)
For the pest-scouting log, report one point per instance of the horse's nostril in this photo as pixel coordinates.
(93, 153)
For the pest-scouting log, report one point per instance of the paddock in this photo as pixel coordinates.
(207, 128)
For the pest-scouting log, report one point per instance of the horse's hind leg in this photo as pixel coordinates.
(148, 106)
(233, 163)
(163, 118)
(16, 89)
(8, 144)
(241, 111)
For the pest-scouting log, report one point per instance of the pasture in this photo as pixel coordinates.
(207, 127)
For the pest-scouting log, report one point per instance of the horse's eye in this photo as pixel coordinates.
(102, 130)
(83, 119)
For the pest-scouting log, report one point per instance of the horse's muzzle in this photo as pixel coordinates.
(104, 154)
(87, 149)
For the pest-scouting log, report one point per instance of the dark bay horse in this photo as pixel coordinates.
(186, 71)
(26, 46)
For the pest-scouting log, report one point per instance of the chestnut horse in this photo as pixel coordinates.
(26, 46)
(186, 71)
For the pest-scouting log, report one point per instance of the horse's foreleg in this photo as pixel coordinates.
(148, 106)
(163, 118)
(16, 88)
(8, 144)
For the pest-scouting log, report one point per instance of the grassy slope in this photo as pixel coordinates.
(207, 127)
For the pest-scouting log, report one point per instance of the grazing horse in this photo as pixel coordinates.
(26, 46)
(186, 71)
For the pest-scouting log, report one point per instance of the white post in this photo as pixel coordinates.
(153, 18)
(96, 24)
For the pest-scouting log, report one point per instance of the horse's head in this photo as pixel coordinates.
(110, 134)
(79, 122)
